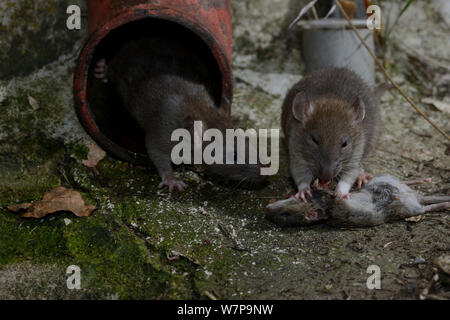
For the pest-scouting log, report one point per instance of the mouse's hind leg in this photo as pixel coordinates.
(437, 206)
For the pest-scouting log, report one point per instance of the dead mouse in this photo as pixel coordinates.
(330, 120)
(164, 85)
(383, 199)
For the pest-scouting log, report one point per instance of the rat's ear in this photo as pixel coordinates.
(358, 110)
(302, 109)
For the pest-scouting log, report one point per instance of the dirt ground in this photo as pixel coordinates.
(213, 240)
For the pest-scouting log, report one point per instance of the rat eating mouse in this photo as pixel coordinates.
(383, 199)
(330, 120)
(165, 84)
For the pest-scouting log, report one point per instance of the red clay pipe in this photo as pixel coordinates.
(209, 19)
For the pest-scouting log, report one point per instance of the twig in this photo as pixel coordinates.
(316, 16)
(236, 244)
(427, 289)
(209, 295)
(333, 8)
(411, 102)
(302, 12)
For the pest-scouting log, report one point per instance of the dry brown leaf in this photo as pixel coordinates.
(94, 156)
(18, 207)
(414, 219)
(57, 199)
(33, 103)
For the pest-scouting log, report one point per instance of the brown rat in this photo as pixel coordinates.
(330, 120)
(164, 85)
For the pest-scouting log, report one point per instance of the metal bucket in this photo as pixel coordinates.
(330, 43)
(208, 22)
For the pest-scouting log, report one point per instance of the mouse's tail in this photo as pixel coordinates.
(437, 206)
(435, 199)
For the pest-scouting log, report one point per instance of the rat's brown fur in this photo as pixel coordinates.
(164, 84)
(335, 95)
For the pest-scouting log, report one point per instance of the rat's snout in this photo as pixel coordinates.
(327, 175)
(328, 172)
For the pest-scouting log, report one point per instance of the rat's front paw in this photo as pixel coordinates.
(304, 192)
(363, 178)
(100, 70)
(342, 190)
(172, 183)
(340, 195)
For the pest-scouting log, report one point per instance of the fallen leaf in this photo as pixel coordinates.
(439, 105)
(414, 219)
(18, 207)
(95, 154)
(33, 103)
(57, 199)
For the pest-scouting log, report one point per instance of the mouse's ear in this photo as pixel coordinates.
(358, 110)
(302, 109)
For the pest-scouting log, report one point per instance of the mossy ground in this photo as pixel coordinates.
(143, 243)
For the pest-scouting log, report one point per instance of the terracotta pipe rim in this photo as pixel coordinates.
(122, 18)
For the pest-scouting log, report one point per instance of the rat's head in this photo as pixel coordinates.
(291, 212)
(240, 159)
(328, 131)
(229, 154)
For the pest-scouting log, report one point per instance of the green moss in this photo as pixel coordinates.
(244, 44)
(28, 169)
(78, 151)
(30, 20)
(22, 240)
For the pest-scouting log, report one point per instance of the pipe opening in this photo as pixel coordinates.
(103, 102)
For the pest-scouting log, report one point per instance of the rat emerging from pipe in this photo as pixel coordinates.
(383, 199)
(331, 123)
(165, 85)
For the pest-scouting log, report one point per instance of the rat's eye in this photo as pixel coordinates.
(344, 144)
(314, 140)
